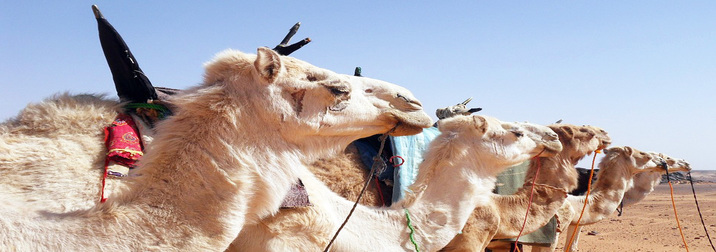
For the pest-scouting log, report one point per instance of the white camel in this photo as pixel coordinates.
(226, 158)
(457, 175)
(644, 183)
(504, 215)
(617, 170)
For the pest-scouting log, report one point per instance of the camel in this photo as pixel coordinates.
(644, 183)
(617, 169)
(457, 175)
(504, 215)
(225, 159)
(640, 185)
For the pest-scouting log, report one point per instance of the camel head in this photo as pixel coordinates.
(508, 144)
(304, 102)
(674, 165)
(579, 141)
(635, 161)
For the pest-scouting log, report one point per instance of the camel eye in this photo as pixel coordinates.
(517, 133)
(311, 78)
(338, 91)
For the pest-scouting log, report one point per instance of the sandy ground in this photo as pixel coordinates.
(650, 224)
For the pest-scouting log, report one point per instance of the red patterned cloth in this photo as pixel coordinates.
(124, 148)
(123, 142)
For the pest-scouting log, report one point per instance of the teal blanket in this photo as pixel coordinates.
(411, 149)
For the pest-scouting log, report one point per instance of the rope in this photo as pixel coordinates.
(529, 203)
(377, 161)
(699, 210)
(412, 230)
(586, 199)
(377, 181)
(102, 199)
(678, 224)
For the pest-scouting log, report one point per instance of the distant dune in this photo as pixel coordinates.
(704, 175)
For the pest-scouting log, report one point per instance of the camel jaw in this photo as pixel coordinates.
(409, 123)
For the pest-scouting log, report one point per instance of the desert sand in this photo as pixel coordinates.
(650, 224)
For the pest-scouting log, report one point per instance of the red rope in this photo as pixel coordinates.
(529, 203)
(380, 192)
(102, 199)
(402, 161)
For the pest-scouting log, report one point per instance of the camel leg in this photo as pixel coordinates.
(570, 231)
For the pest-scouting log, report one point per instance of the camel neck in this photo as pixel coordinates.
(438, 212)
(606, 194)
(643, 184)
(195, 179)
(557, 171)
(549, 195)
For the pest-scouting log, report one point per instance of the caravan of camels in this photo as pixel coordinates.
(263, 127)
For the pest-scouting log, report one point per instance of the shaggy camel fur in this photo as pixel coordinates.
(504, 215)
(226, 158)
(457, 175)
(617, 170)
(345, 175)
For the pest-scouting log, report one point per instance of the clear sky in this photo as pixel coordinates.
(645, 71)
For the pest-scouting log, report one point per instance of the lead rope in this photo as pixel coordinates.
(377, 161)
(586, 199)
(529, 203)
(699, 210)
(671, 189)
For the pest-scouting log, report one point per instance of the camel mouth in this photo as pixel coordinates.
(410, 123)
(684, 168)
(680, 169)
(604, 144)
(551, 148)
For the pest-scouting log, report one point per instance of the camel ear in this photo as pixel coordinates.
(268, 64)
(480, 124)
(628, 150)
(566, 131)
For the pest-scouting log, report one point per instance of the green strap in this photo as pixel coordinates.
(412, 230)
(163, 111)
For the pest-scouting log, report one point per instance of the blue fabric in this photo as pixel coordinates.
(411, 149)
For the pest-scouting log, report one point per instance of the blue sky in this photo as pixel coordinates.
(642, 70)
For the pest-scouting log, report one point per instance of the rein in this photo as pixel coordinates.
(586, 199)
(678, 224)
(699, 210)
(529, 203)
(378, 165)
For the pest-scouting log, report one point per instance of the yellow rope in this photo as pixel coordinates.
(676, 215)
(586, 199)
